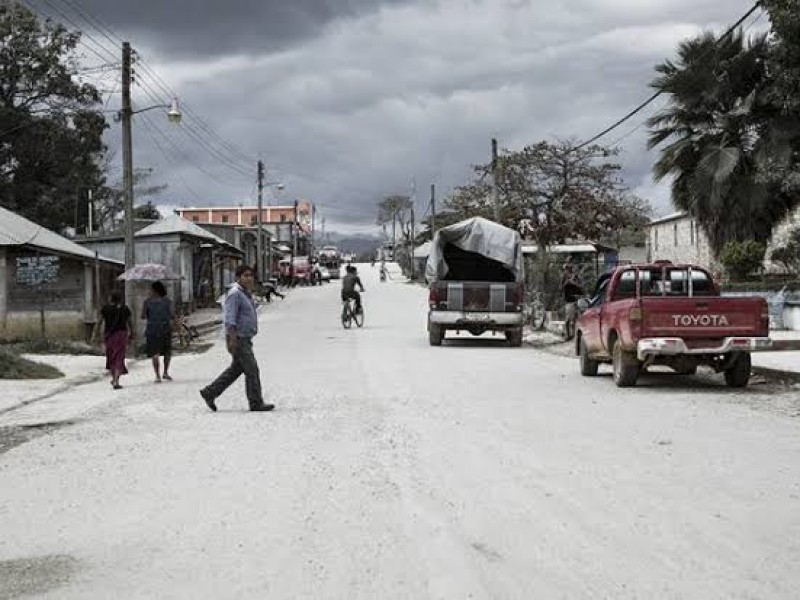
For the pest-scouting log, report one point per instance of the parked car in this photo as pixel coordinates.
(475, 272)
(321, 274)
(672, 315)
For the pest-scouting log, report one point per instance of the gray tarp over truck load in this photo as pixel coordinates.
(475, 271)
(483, 239)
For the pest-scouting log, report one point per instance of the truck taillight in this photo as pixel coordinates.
(635, 314)
(433, 296)
(518, 296)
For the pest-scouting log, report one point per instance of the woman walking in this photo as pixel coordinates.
(115, 317)
(160, 315)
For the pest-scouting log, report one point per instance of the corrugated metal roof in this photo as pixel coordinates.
(667, 218)
(16, 230)
(177, 224)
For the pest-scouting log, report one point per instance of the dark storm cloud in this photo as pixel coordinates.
(192, 28)
(351, 109)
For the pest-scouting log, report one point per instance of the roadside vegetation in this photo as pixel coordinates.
(13, 366)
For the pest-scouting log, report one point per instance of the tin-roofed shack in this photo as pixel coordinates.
(188, 250)
(49, 286)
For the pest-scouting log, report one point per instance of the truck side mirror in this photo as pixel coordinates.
(583, 304)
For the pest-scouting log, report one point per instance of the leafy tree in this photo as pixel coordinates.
(111, 200)
(554, 193)
(396, 211)
(146, 211)
(742, 258)
(723, 141)
(788, 255)
(51, 145)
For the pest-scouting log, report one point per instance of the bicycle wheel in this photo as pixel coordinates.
(184, 338)
(347, 320)
(538, 316)
(359, 317)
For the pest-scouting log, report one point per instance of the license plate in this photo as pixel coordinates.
(478, 316)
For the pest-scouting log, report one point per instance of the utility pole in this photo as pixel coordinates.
(260, 223)
(433, 211)
(394, 235)
(126, 115)
(495, 195)
(295, 232)
(413, 239)
(313, 229)
(323, 231)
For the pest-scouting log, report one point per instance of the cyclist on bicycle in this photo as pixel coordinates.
(349, 283)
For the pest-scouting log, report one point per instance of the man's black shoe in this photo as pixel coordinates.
(209, 400)
(262, 407)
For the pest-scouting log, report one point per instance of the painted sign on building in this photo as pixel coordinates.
(37, 270)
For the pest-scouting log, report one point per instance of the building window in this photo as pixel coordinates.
(253, 219)
(655, 239)
(691, 233)
(283, 218)
(195, 219)
(224, 218)
(675, 234)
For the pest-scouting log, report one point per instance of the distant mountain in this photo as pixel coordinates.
(353, 243)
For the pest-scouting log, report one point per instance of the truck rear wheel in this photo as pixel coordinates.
(738, 374)
(514, 337)
(588, 366)
(626, 367)
(435, 334)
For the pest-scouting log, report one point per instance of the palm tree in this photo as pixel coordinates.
(720, 138)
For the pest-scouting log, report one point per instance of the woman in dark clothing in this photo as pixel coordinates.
(159, 313)
(118, 329)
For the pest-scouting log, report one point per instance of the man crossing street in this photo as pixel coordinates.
(241, 325)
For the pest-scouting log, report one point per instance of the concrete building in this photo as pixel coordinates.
(49, 285)
(678, 238)
(245, 238)
(277, 220)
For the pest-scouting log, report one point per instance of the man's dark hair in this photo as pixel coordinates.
(159, 288)
(115, 298)
(242, 269)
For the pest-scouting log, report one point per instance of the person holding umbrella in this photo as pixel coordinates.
(159, 313)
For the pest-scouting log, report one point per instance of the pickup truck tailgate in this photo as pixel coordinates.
(475, 296)
(704, 317)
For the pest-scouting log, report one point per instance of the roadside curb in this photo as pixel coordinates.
(786, 376)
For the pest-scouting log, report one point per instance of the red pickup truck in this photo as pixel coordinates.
(671, 315)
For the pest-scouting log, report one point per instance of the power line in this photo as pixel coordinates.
(206, 137)
(652, 98)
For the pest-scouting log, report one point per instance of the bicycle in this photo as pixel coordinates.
(534, 310)
(349, 314)
(185, 332)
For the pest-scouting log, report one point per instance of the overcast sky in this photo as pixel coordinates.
(347, 101)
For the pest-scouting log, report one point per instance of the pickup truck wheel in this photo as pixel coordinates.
(739, 374)
(626, 367)
(514, 337)
(435, 334)
(588, 366)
